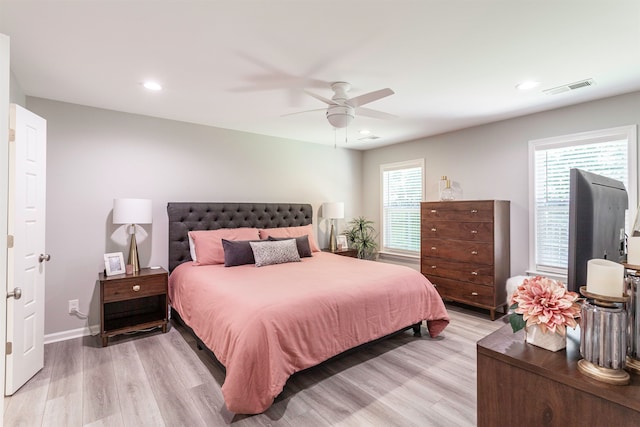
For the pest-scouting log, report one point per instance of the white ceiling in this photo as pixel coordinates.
(241, 64)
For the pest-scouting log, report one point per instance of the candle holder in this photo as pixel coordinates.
(603, 338)
(633, 316)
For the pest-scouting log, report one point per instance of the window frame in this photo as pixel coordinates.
(616, 133)
(407, 164)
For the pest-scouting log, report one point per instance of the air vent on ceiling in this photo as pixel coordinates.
(570, 86)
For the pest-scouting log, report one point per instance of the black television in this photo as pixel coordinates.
(597, 206)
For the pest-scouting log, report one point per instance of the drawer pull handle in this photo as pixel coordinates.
(474, 252)
(136, 288)
(474, 231)
(474, 273)
(475, 294)
(433, 248)
(433, 211)
(474, 211)
(434, 229)
(433, 266)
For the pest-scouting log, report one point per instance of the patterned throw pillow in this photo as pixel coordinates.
(302, 242)
(275, 252)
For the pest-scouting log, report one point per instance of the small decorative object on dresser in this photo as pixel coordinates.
(133, 302)
(465, 251)
(545, 309)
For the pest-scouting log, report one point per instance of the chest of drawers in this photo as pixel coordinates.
(465, 250)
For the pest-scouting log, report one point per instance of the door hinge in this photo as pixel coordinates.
(12, 135)
(10, 241)
(9, 348)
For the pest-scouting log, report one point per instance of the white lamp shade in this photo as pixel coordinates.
(132, 211)
(333, 210)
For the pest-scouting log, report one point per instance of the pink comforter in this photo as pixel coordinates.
(266, 323)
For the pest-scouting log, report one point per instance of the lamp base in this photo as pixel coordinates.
(606, 375)
(133, 252)
(333, 244)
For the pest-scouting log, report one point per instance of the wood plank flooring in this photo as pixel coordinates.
(155, 379)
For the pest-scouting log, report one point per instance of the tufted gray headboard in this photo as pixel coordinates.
(187, 216)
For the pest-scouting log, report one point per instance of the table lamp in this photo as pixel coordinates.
(333, 210)
(132, 211)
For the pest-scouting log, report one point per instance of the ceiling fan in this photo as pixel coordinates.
(342, 109)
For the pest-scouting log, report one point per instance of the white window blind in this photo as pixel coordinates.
(402, 191)
(607, 155)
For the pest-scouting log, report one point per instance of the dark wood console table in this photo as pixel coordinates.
(520, 384)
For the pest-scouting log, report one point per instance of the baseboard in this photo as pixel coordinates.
(71, 334)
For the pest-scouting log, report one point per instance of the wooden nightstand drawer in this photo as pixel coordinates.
(135, 287)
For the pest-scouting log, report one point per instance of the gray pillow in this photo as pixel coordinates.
(275, 252)
(302, 243)
(237, 252)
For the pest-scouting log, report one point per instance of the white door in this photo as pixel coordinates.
(26, 257)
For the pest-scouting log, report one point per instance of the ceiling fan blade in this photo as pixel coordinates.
(300, 112)
(368, 112)
(321, 98)
(369, 97)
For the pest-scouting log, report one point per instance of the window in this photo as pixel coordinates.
(402, 186)
(610, 152)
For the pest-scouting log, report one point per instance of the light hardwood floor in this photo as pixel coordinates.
(156, 379)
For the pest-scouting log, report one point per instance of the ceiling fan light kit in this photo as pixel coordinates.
(340, 116)
(341, 109)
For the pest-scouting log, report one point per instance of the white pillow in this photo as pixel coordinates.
(192, 248)
(275, 252)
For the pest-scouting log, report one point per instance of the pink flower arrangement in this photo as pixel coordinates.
(544, 302)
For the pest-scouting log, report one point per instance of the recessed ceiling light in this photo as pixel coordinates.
(365, 132)
(152, 86)
(527, 85)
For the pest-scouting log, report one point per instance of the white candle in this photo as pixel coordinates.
(633, 250)
(605, 278)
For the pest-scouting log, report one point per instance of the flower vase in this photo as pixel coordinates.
(548, 341)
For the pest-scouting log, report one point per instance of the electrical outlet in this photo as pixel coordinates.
(74, 306)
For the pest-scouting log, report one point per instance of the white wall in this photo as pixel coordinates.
(16, 95)
(490, 161)
(95, 155)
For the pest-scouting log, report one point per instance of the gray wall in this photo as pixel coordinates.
(491, 161)
(97, 155)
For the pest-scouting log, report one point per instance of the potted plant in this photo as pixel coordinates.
(545, 308)
(362, 237)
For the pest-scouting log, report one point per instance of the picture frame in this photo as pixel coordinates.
(114, 264)
(342, 243)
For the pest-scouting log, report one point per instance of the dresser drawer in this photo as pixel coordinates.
(135, 287)
(476, 231)
(466, 272)
(458, 211)
(458, 250)
(464, 292)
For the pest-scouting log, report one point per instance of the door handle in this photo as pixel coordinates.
(16, 293)
(44, 257)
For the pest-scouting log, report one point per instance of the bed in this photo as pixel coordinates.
(264, 322)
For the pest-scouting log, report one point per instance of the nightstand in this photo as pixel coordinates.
(353, 253)
(131, 302)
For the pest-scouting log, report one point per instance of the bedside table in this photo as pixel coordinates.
(131, 302)
(353, 253)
